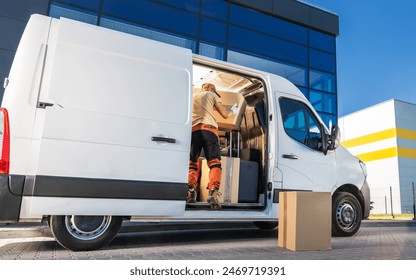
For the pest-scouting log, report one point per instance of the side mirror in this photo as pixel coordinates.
(334, 138)
(325, 141)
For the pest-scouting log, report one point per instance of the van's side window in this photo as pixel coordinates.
(300, 123)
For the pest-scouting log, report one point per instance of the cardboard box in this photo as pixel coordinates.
(229, 180)
(228, 99)
(305, 220)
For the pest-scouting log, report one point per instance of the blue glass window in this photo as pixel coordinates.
(213, 30)
(89, 4)
(322, 81)
(248, 60)
(61, 10)
(215, 8)
(153, 14)
(323, 102)
(268, 24)
(295, 74)
(264, 45)
(305, 91)
(322, 41)
(189, 5)
(322, 61)
(211, 51)
(148, 33)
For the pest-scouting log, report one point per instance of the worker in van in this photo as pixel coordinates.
(205, 136)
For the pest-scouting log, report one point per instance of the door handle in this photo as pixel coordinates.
(290, 156)
(163, 139)
(43, 105)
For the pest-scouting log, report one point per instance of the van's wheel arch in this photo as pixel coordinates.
(84, 233)
(346, 214)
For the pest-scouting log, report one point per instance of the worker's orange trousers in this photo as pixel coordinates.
(215, 172)
(205, 137)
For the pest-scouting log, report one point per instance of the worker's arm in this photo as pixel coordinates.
(223, 112)
(221, 109)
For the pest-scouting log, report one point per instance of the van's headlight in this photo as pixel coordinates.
(363, 168)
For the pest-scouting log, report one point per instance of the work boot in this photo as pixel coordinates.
(191, 197)
(214, 199)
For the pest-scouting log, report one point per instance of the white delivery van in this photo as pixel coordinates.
(96, 129)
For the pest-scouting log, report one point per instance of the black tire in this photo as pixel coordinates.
(84, 233)
(346, 214)
(266, 225)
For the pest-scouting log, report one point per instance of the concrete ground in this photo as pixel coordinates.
(376, 240)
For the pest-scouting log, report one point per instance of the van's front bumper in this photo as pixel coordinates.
(365, 191)
(11, 190)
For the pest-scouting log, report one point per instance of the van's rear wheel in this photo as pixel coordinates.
(84, 233)
(346, 214)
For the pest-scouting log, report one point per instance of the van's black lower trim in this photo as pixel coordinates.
(51, 186)
(11, 189)
(365, 190)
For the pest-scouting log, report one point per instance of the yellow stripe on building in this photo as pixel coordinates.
(407, 152)
(377, 155)
(370, 138)
(384, 153)
(388, 153)
(406, 133)
(379, 136)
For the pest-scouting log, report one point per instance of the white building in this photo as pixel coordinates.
(384, 137)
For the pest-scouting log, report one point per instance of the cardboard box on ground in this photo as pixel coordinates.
(304, 220)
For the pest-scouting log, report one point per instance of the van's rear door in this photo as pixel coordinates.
(115, 123)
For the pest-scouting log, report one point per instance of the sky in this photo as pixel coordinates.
(376, 51)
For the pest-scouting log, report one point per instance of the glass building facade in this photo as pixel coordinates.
(227, 31)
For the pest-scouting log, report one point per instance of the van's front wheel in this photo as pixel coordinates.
(84, 233)
(346, 214)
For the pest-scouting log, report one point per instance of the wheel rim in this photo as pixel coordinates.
(87, 227)
(346, 215)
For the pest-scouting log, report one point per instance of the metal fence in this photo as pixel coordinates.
(390, 201)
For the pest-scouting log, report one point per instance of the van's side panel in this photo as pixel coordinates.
(110, 94)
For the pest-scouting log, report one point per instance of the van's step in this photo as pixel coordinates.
(225, 205)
